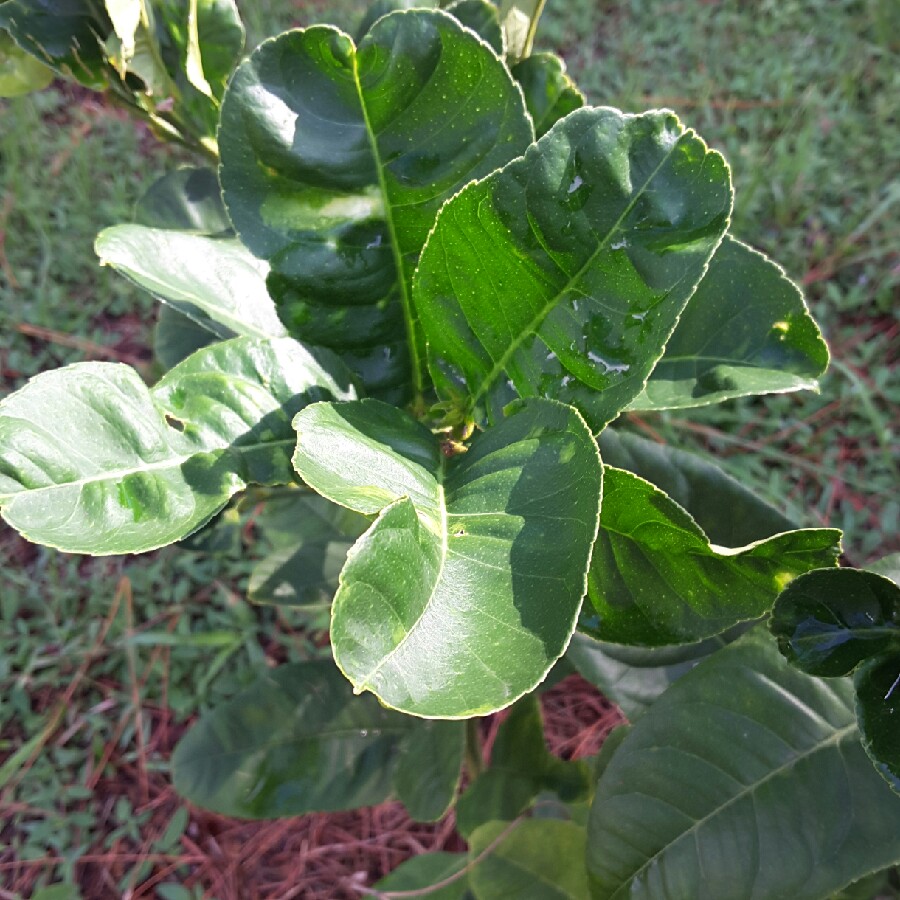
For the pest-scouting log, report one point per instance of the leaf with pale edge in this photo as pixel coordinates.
(550, 94)
(93, 461)
(745, 331)
(745, 779)
(564, 274)
(443, 606)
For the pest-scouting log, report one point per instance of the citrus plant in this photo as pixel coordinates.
(416, 298)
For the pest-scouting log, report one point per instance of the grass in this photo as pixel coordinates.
(801, 97)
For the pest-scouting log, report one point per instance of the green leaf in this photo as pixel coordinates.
(878, 711)
(745, 777)
(177, 336)
(64, 35)
(745, 331)
(563, 274)
(540, 859)
(20, 72)
(429, 768)
(311, 537)
(520, 20)
(442, 609)
(92, 461)
(888, 566)
(428, 869)
(187, 199)
(828, 622)
(550, 94)
(336, 161)
(656, 579)
(216, 277)
(729, 513)
(125, 16)
(220, 35)
(297, 741)
(482, 17)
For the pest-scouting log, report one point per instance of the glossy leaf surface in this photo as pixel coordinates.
(336, 159)
(564, 274)
(745, 331)
(428, 869)
(483, 18)
(218, 277)
(550, 94)
(443, 606)
(297, 741)
(745, 779)
(878, 712)
(656, 579)
(92, 461)
(540, 859)
(830, 621)
(429, 768)
(310, 538)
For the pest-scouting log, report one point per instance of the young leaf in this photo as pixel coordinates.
(563, 274)
(828, 622)
(656, 579)
(550, 94)
(92, 461)
(540, 859)
(520, 20)
(878, 712)
(429, 768)
(296, 741)
(443, 607)
(745, 331)
(334, 165)
(711, 789)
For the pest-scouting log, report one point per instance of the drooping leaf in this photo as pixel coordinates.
(217, 277)
(656, 579)
(92, 461)
(125, 16)
(828, 622)
(745, 331)
(297, 741)
(550, 94)
(220, 35)
(539, 859)
(187, 199)
(746, 775)
(310, 538)
(443, 606)
(730, 514)
(878, 711)
(428, 869)
(334, 165)
(483, 18)
(429, 768)
(563, 274)
(20, 72)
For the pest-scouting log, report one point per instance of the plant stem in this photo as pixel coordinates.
(474, 757)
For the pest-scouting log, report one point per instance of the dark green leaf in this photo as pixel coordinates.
(481, 16)
(429, 768)
(730, 514)
(380, 8)
(428, 869)
(550, 94)
(177, 336)
(310, 537)
(539, 859)
(220, 41)
(746, 778)
(187, 199)
(563, 274)
(92, 461)
(297, 741)
(878, 711)
(335, 163)
(442, 609)
(830, 621)
(745, 331)
(20, 72)
(656, 579)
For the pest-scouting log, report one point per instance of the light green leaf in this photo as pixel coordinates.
(745, 331)
(888, 566)
(92, 461)
(428, 869)
(217, 277)
(334, 165)
(540, 859)
(563, 274)
(730, 514)
(310, 537)
(746, 778)
(125, 16)
(656, 579)
(520, 21)
(429, 768)
(442, 609)
(20, 72)
(550, 94)
(193, 63)
(297, 741)
(186, 199)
